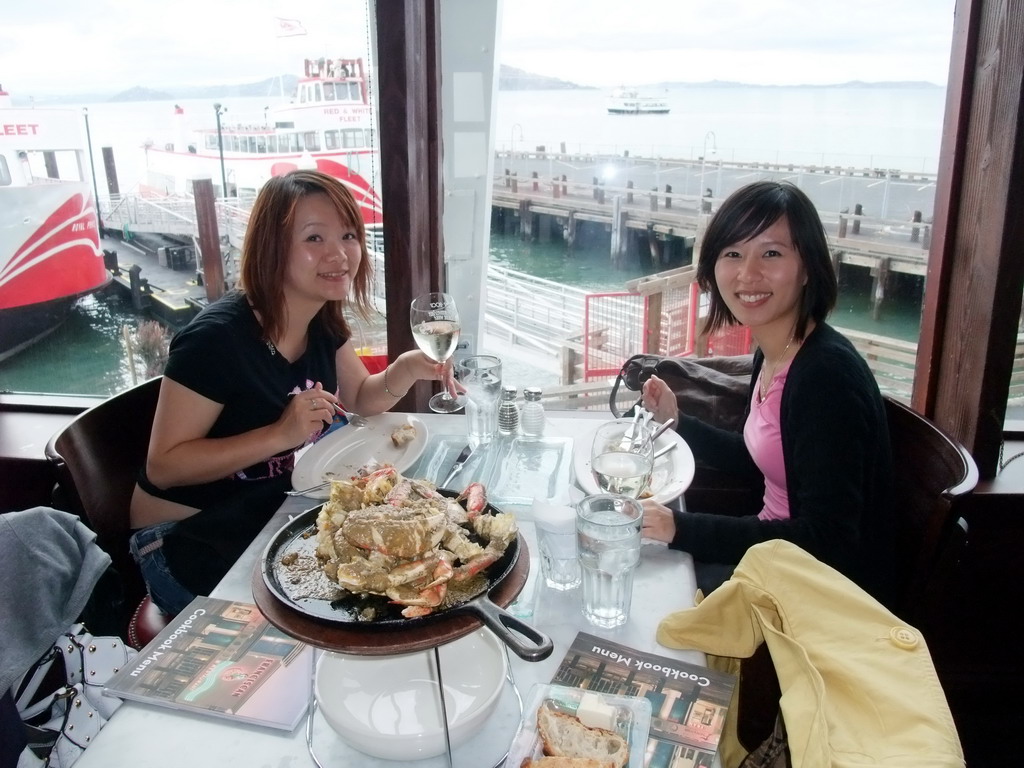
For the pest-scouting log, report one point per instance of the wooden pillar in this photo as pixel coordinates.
(915, 232)
(410, 152)
(668, 196)
(843, 221)
(556, 190)
(858, 210)
(653, 246)
(570, 232)
(568, 362)
(110, 170)
(595, 183)
(881, 282)
(209, 238)
(600, 193)
(618, 243)
(508, 179)
(525, 220)
(565, 186)
(536, 183)
(654, 199)
(629, 195)
(654, 319)
(515, 182)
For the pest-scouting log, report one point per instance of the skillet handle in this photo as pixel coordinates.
(501, 622)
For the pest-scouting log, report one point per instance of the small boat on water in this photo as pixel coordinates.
(625, 101)
(328, 125)
(49, 241)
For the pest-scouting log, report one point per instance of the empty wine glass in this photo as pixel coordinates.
(622, 457)
(435, 327)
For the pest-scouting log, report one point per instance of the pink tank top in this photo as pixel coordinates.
(762, 434)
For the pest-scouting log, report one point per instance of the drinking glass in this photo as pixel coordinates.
(608, 541)
(622, 457)
(481, 376)
(435, 327)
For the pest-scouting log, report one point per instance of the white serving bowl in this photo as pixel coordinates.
(388, 707)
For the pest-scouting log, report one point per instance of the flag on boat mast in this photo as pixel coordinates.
(289, 27)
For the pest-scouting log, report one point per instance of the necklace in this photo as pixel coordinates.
(766, 383)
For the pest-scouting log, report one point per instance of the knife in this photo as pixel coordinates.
(460, 462)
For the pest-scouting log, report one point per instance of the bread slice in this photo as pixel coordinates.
(565, 736)
(403, 434)
(564, 762)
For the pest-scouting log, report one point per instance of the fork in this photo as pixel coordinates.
(304, 491)
(353, 418)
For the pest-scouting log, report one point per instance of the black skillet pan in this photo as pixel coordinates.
(299, 535)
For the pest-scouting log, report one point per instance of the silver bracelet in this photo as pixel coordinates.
(397, 397)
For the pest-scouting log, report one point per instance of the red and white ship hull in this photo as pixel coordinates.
(49, 241)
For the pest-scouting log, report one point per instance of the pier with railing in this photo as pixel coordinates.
(584, 337)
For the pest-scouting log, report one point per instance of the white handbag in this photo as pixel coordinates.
(61, 724)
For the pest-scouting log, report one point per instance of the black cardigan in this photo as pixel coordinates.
(835, 446)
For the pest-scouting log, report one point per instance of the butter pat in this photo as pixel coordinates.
(594, 713)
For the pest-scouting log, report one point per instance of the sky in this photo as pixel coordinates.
(67, 46)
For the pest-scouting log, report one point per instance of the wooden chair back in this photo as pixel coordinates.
(931, 473)
(97, 459)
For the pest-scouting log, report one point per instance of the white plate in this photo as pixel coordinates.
(341, 453)
(672, 473)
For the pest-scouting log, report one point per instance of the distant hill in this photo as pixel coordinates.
(512, 79)
(849, 84)
(509, 79)
(272, 86)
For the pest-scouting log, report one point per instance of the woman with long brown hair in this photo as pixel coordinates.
(255, 376)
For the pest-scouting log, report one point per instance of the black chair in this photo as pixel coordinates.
(932, 472)
(97, 458)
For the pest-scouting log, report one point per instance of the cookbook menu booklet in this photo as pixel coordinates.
(689, 702)
(223, 658)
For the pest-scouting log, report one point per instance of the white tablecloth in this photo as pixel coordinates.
(152, 737)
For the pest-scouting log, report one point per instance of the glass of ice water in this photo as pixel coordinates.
(622, 457)
(481, 377)
(608, 542)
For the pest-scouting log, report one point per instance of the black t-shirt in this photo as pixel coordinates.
(222, 356)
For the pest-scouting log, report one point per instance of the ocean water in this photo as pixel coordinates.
(877, 127)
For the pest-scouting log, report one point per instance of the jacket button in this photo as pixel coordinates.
(903, 637)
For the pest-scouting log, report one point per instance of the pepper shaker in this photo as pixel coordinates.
(508, 411)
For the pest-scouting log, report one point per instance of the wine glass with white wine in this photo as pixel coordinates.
(622, 457)
(435, 327)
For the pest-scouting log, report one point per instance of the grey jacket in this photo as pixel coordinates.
(49, 565)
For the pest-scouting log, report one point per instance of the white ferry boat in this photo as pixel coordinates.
(629, 102)
(49, 242)
(327, 125)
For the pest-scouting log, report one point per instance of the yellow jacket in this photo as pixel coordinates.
(858, 686)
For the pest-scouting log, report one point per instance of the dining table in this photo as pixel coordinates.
(523, 477)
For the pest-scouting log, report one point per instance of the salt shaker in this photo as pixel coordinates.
(508, 411)
(532, 416)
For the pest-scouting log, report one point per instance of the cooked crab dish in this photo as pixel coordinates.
(384, 534)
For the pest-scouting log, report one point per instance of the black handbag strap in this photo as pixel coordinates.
(623, 375)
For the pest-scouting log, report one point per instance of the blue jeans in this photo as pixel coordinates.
(164, 590)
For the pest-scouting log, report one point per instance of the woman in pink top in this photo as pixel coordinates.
(815, 436)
